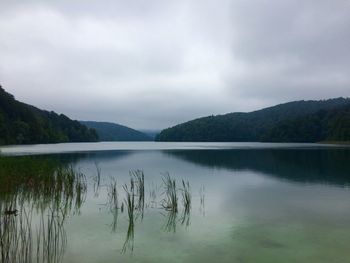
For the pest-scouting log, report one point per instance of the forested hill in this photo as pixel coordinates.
(115, 132)
(21, 123)
(298, 121)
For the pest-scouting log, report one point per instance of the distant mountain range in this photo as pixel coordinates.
(151, 133)
(115, 132)
(298, 121)
(21, 123)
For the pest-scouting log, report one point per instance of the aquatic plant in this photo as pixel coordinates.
(130, 206)
(24, 240)
(97, 178)
(130, 199)
(171, 221)
(186, 201)
(114, 224)
(170, 201)
(186, 195)
(130, 239)
(51, 238)
(112, 192)
(41, 187)
(139, 179)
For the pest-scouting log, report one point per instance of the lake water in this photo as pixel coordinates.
(250, 202)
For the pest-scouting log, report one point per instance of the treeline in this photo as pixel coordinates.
(299, 121)
(21, 123)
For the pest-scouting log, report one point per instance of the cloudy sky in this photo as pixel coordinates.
(154, 63)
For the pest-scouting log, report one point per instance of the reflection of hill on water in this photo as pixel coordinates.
(331, 166)
(78, 156)
(101, 156)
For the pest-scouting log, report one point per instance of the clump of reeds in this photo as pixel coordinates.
(130, 206)
(130, 199)
(19, 244)
(171, 221)
(16, 236)
(80, 190)
(170, 201)
(186, 195)
(113, 202)
(139, 179)
(135, 189)
(29, 185)
(51, 238)
(129, 240)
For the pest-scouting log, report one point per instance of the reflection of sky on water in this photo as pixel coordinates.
(286, 204)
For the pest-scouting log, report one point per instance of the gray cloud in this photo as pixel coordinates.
(151, 64)
(292, 49)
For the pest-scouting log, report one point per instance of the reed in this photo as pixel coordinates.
(186, 202)
(113, 203)
(139, 179)
(130, 200)
(33, 186)
(97, 179)
(170, 201)
(115, 220)
(186, 196)
(171, 221)
(19, 244)
(130, 239)
(130, 207)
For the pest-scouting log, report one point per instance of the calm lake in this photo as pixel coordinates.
(235, 202)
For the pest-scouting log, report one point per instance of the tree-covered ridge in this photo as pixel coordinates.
(21, 123)
(115, 132)
(299, 121)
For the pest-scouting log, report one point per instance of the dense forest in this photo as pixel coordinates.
(298, 121)
(21, 123)
(115, 132)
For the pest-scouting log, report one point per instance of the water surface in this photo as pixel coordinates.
(250, 203)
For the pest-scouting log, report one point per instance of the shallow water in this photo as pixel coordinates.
(250, 203)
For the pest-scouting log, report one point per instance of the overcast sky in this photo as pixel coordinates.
(152, 64)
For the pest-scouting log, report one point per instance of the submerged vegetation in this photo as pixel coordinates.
(43, 182)
(37, 195)
(26, 237)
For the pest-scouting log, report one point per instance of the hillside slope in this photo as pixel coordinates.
(115, 132)
(298, 121)
(21, 123)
